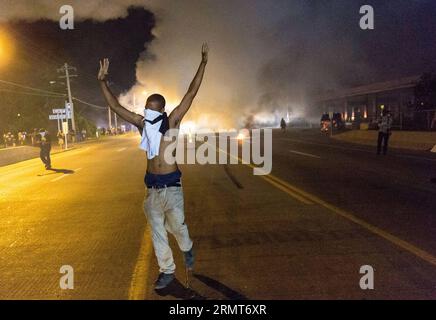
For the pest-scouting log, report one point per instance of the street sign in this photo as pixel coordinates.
(59, 116)
(65, 127)
(65, 131)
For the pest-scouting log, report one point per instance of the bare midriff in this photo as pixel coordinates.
(158, 165)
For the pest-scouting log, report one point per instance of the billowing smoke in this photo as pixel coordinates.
(267, 57)
(233, 31)
(33, 10)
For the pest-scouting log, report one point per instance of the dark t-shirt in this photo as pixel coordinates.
(44, 142)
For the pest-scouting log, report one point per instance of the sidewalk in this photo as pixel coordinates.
(412, 140)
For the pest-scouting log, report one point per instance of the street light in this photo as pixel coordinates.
(6, 48)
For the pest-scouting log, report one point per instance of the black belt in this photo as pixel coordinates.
(163, 186)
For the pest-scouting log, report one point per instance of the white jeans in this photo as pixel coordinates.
(164, 209)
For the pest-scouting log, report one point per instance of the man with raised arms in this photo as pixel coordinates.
(163, 205)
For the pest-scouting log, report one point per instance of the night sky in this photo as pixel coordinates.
(41, 49)
(291, 49)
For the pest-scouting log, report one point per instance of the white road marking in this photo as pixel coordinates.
(328, 145)
(65, 175)
(358, 149)
(304, 154)
(121, 149)
(58, 178)
(414, 157)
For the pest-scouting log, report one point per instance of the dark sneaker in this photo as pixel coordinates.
(163, 280)
(189, 259)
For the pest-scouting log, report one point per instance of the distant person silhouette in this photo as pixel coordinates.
(283, 125)
(44, 142)
(384, 132)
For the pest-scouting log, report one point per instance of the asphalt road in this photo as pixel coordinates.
(303, 232)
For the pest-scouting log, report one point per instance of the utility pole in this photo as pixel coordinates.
(66, 69)
(116, 123)
(109, 114)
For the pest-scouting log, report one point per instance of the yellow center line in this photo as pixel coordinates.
(294, 191)
(277, 184)
(380, 232)
(139, 282)
(286, 190)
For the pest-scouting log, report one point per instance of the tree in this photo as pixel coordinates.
(425, 96)
(83, 123)
(425, 92)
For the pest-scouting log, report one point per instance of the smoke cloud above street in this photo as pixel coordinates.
(267, 57)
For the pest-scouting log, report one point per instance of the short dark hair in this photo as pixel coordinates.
(157, 98)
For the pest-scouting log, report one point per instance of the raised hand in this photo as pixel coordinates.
(103, 72)
(204, 52)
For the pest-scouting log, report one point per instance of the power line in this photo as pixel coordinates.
(41, 54)
(89, 104)
(45, 93)
(32, 94)
(29, 88)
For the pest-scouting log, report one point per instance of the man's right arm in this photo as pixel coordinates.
(112, 101)
(116, 107)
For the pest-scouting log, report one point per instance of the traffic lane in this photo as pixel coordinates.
(345, 177)
(406, 165)
(314, 136)
(258, 242)
(411, 172)
(91, 220)
(102, 275)
(407, 172)
(361, 184)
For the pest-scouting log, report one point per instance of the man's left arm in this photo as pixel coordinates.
(179, 112)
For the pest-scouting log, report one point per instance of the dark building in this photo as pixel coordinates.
(362, 105)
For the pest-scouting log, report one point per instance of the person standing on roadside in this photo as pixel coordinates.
(384, 132)
(45, 147)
